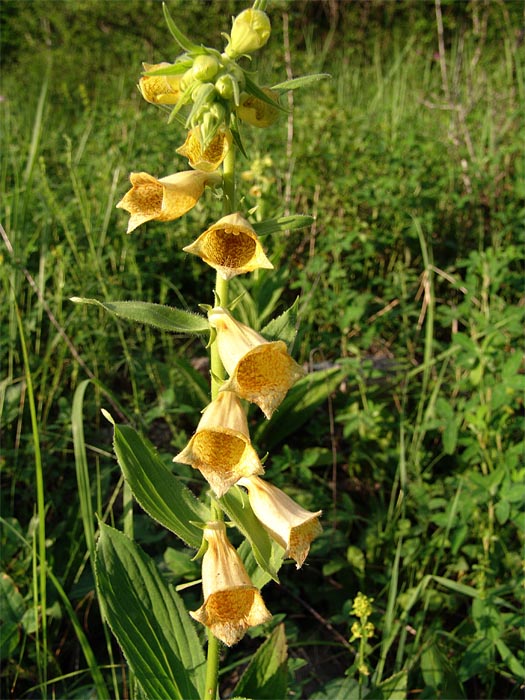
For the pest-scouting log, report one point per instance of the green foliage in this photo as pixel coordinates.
(160, 644)
(410, 317)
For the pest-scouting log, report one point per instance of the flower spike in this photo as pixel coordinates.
(260, 371)
(220, 448)
(231, 247)
(166, 199)
(232, 604)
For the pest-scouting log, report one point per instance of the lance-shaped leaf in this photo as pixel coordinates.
(256, 91)
(149, 620)
(179, 37)
(158, 491)
(304, 81)
(166, 318)
(236, 505)
(283, 223)
(283, 327)
(267, 674)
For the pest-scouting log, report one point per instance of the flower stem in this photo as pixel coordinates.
(218, 374)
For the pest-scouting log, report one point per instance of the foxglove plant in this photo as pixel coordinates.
(215, 96)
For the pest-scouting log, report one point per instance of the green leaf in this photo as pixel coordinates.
(256, 91)
(300, 403)
(304, 81)
(266, 675)
(345, 688)
(236, 505)
(164, 317)
(284, 327)
(179, 37)
(149, 620)
(159, 492)
(393, 688)
(12, 609)
(283, 223)
(439, 676)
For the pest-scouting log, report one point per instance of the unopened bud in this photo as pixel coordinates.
(205, 67)
(250, 31)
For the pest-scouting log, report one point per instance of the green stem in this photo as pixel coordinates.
(218, 375)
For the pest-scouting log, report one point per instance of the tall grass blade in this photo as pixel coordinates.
(40, 544)
(86, 498)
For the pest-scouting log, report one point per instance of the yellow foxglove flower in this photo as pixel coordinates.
(250, 32)
(232, 603)
(231, 247)
(286, 521)
(260, 371)
(166, 199)
(256, 112)
(221, 447)
(160, 89)
(210, 158)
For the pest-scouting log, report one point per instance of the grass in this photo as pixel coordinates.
(410, 282)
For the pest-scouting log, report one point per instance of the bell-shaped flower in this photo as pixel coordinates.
(160, 89)
(257, 112)
(286, 521)
(220, 448)
(209, 158)
(231, 247)
(164, 199)
(232, 604)
(250, 31)
(261, 371)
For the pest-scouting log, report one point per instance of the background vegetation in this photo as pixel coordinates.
(411, 296)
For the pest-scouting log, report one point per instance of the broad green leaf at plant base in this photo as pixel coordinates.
(149, 620)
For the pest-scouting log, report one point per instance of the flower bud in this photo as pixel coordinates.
(250, 32)
(205, 67)
(224, 86)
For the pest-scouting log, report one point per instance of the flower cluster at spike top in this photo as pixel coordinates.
(217, 93)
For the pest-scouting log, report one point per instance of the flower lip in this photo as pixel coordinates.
(231, 247)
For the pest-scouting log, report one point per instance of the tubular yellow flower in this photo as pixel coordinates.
(256, 112)
(210, 158)
(250, 31)
(260, 371)
(232, 603)
(160, 89)
(220, 448)
(166, 199)
(231, 247)
(286, 521)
